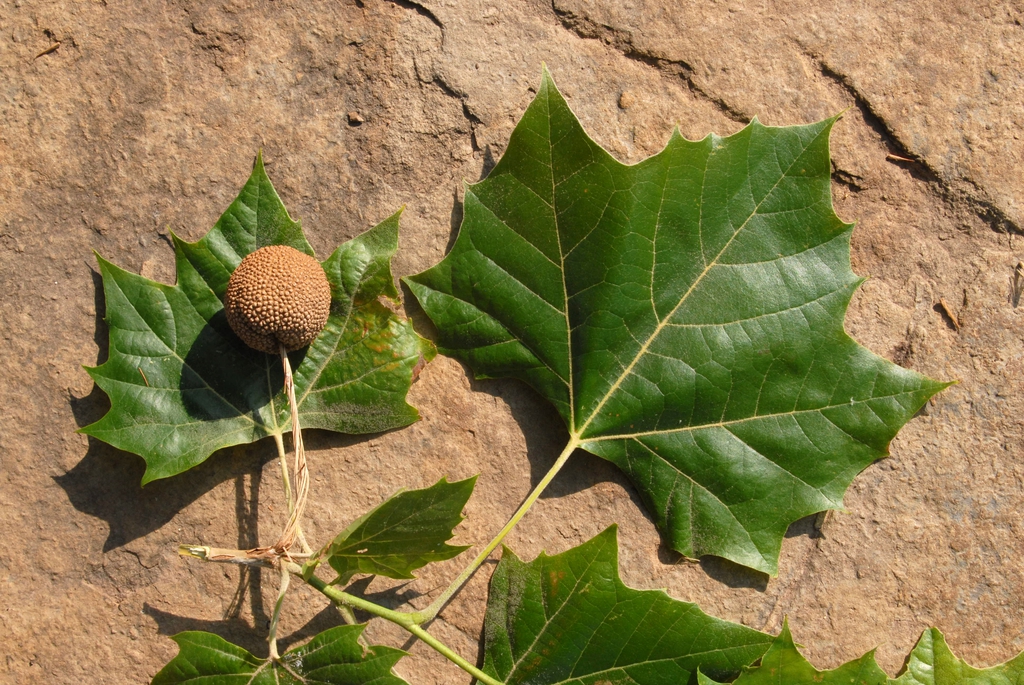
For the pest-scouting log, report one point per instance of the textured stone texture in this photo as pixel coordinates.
(147, 116)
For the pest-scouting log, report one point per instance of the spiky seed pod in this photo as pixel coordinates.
(278, 295)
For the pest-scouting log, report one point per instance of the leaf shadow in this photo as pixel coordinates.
(215, 366)
(458, 212)
(720, 569)
(105, 484)
(731, 574)
(252, 637)
(319, 439)
(392, 597)
(101, 335)
(735, 575)
(805, 526)
(91, 408)
(546, 435)
(420, 321)
(489, 162)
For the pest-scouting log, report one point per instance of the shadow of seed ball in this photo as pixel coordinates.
(278, 296)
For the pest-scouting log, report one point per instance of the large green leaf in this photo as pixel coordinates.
(334, 657)
(782, 664)
(569, 619)
(932, 663)
(181, 383)
(684, 315)
(405, 532)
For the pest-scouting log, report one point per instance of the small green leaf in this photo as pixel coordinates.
(181, 383)
(932, 663)
(334, 657)
(404, 533)
(783, 664)
(685, 317)
(569, 619)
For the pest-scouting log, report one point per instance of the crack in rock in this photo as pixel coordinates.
(956, 192)
(622, 42)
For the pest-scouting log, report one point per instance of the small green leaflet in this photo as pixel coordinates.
(181, 383)
(570, 619)
(404, 533)
(783, 664)
(334, 657)
(931, 663)
(685, 317)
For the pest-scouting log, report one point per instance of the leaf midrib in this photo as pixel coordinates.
(373, 537)
(612, 669)
(663, 323)
(561, 258)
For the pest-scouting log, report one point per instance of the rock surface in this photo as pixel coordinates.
(125, 120)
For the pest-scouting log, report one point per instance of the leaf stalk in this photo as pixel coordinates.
(282, 590)
(431, 612)
(285, 478)
(293, 530)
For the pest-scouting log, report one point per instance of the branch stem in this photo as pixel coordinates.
(343, 600)
(438, 604)
(282, 589)
(400, 618)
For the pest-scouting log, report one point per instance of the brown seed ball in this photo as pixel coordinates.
(278, 295)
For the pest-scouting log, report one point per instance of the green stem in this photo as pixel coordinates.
(400, 618)
(435, 607)
(283, 457)
(439, 646)
(349, 617)
(347, 614)
(282, 590)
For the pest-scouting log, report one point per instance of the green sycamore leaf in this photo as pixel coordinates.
(685, 317)
(782, 664)
(932, 663)
(181, 383)
(334, 657)
(405, 532)
(568, 618)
